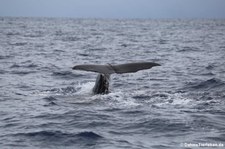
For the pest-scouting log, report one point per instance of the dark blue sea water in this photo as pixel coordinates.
(46, 104)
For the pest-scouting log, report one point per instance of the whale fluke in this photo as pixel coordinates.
(122, 68)
(102, 81)
(133, 67)
(103, 69)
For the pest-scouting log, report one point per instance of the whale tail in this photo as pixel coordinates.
(102, 81)
(121, 68)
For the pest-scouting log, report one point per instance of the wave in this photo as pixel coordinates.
(59, 137)
(22, 72)
(51, 101)
(210, 84)
(43, 134)
(5, 57)
(188, 49)
(70, 38)
(13, 34)
(59, 134)
(89, 135)
(19, 44)
(65, 74)
(221, 138)
(24, 66)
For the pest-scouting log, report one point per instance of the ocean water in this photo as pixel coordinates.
(46, 104)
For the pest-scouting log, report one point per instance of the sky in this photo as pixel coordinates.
(149, 9)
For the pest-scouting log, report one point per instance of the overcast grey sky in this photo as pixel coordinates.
(114, 8)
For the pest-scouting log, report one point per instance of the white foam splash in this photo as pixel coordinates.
(117, 99)
(175, 99)
(85, 88)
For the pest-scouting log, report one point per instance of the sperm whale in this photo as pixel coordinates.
(102, 80)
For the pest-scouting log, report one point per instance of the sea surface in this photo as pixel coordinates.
(44, 104)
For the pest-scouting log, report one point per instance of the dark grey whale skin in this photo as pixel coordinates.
(102, 80)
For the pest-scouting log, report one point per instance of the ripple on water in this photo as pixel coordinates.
(59, 138)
